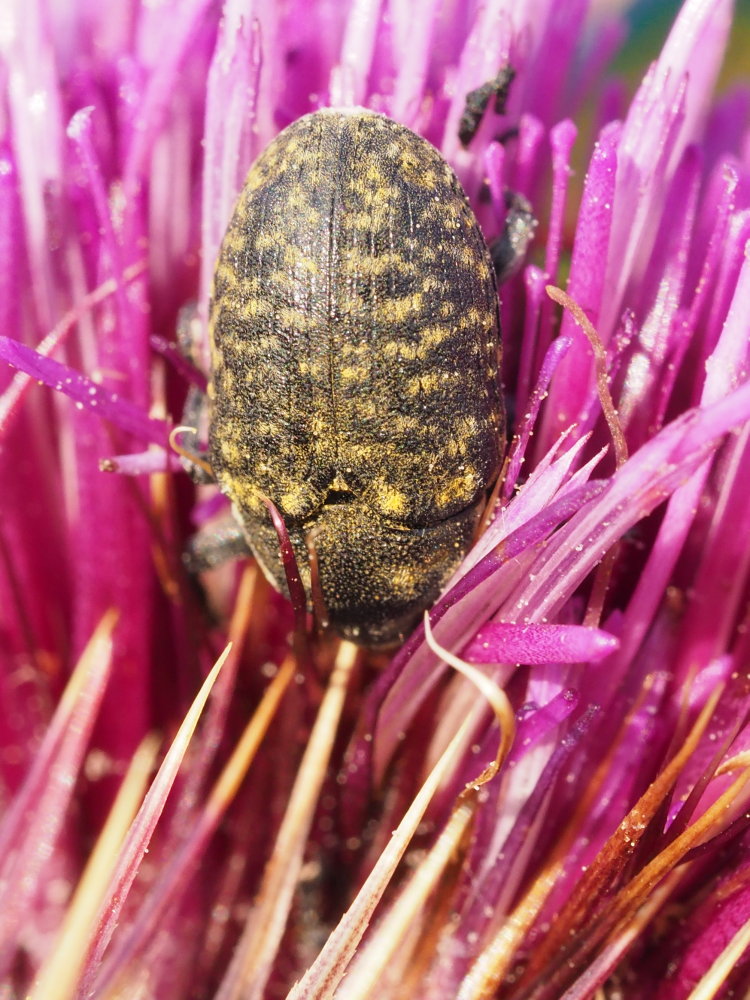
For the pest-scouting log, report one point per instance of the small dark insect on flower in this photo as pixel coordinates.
(355, 352)
(478, 100)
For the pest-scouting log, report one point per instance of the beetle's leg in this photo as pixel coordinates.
(194, 417)
(212, 546)
(195, 410)
(208, 547)
(509, 249)
(190, 334)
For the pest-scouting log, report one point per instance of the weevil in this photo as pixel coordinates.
(355, 348)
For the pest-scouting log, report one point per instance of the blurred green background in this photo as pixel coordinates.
(650, 21)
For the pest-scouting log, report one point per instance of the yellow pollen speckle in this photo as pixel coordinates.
(230, 452)
(406, 582)
(299, 261)
(244, 494)
(467, 426)
(426, 383)
(391, 501)
(472, 318)
(468, 257)
(228, 379)
(264, 345)
(402, 349)
(293, 503)
(249, 308)
(365, 221)
(397, 310)
(296, 319)
(313, 217)
(264, 240)
(430, 284)
(431, 336)
(235, 240)
(319, 425)
(353, 374)
(459, 488)
(225, 275)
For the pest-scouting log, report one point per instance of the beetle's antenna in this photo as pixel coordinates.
(320, 611)
(294, 584)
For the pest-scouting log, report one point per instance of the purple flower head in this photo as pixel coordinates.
(543, 793)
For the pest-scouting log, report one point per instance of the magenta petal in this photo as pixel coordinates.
(231, 109)
(143, 463)
(554, 356)
(587, 271)
(500, 642)
(562, 138)
(33, 825)
(699, 941)
(126, 132)
(85, 392)
(142, 829)
(641, 484)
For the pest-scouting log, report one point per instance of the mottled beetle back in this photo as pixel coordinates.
(355, 351)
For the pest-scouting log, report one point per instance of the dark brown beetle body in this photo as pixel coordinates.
(355, 352)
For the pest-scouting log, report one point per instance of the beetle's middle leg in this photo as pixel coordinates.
(195, 410)
(195, 456)
(225, 539)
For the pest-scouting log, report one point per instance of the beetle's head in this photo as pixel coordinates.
(375, 577)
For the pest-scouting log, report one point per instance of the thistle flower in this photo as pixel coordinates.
(544, 792)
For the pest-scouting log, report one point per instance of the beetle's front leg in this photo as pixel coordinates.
(195, 458)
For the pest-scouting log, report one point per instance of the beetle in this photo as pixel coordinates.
(355, 348)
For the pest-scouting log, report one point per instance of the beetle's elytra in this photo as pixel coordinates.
(355, 351)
